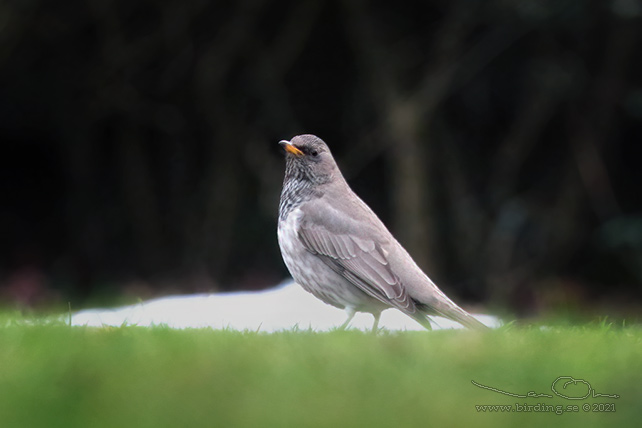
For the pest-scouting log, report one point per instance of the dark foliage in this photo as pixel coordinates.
(499, 140)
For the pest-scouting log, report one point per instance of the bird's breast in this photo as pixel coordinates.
(288, 235)
(313, 274)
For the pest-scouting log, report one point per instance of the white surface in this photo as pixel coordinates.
(283, 308)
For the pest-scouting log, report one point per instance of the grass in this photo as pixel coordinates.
(53, 375)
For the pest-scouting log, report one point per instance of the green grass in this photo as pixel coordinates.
(54, 375)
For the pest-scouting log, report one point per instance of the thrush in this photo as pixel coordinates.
(336, 247)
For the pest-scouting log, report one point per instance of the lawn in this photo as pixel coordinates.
(58, 376)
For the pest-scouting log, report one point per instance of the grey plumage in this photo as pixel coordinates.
(336, 247)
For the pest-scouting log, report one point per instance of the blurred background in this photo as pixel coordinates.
(499, 140)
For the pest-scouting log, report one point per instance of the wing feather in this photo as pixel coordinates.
(361, 261)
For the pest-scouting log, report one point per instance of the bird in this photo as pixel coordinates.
(337, 249)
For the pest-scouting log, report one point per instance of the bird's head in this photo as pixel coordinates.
(308, 158)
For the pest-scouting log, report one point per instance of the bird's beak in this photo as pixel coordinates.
(290, 148)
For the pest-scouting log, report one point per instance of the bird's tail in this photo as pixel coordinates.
(450, 310)
(470, 321)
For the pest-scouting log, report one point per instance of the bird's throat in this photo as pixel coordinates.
(296, 190)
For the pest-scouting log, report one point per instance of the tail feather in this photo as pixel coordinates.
(448, 309)
(470, 321)
(456, 313)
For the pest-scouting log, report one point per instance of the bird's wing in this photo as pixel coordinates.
(361, 261)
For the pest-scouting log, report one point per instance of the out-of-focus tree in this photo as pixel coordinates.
(140, 139)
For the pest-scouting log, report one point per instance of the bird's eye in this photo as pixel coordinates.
(314, 153)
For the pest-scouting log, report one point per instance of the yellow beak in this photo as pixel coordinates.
(290, 148)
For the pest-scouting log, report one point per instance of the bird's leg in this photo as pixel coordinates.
(350, 311)
(375, 326)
